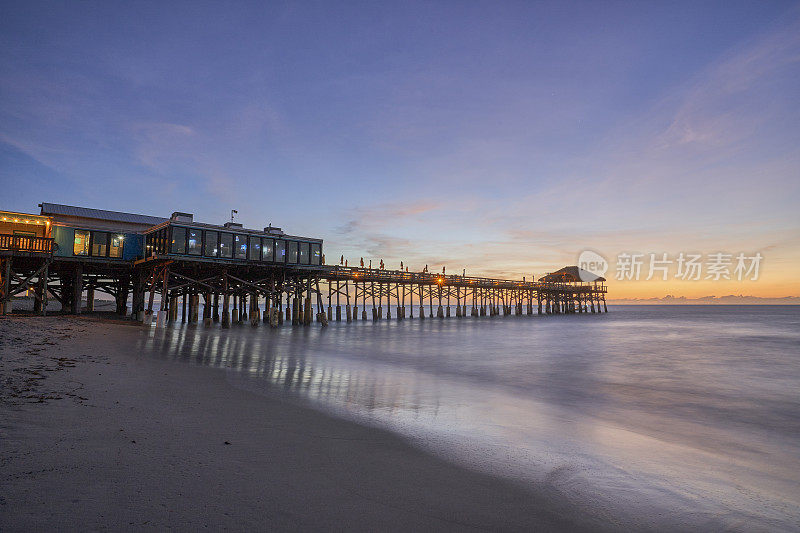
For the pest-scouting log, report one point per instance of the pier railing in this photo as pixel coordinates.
(26, 243)
(360, 274)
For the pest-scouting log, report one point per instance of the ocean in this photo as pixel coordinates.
(651, 417)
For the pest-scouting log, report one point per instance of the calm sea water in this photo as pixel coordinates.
(661, 417)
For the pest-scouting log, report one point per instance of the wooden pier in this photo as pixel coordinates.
(336, 293)
(246, 276)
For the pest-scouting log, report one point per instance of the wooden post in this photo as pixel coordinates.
(308, 310)
(137, 299)
(5, 298)
(401, 305)
(380, 301)
(363, 301)
(330, 294)
(255, 312)
(295, 310)
(208, 299)
(122, 294)
(161, 318)
(89, 298)
(43, 288)
(338, 304)
(280, 305)
(77, 290)
(374, 309)
(347, 313)
(226, 317)
(355, 300)
(299, 294)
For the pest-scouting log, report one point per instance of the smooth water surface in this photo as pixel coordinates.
(649, 416)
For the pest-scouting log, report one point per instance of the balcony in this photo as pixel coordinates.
(26, 244)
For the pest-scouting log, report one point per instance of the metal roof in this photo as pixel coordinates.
(99, 214)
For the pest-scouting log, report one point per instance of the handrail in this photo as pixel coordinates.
(429, 278)
(26, 243)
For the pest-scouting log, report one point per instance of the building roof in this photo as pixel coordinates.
(571, 274)
(239, 230)
(99, 214)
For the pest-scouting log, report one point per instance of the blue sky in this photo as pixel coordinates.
(501, 137)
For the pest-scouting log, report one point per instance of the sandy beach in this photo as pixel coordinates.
(95, 437)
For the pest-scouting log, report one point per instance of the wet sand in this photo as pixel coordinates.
(96, 436)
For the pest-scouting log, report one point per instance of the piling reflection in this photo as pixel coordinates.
(284, 360)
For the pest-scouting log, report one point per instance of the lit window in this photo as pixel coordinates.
(226, 245)
(212, 240)
(81, 244)
(291, 252)
(304, 253)
(255, 249)
(116, 246)
(195, 243)
(178, 240)
(99, 243)
(240, 245)
(280, 251)
(268, 246)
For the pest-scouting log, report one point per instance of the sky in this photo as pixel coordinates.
(503, 138)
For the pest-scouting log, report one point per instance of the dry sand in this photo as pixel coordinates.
(97, 437)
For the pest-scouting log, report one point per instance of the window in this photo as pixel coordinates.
(316, 254)
(195, 244)
(304, 253)
(178, 240)
(116, 246)
(280, 251)
(240, 246)
(99, 243)
(226, 245)
(212, 242)
(291, 252)
(255, 249)
(160, 241)
(268, 246)
(81, 244)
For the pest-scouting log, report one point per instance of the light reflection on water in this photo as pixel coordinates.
(692, 409)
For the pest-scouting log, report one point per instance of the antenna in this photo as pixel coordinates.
(232, 213)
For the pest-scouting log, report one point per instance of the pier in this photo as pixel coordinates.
(245, 275)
